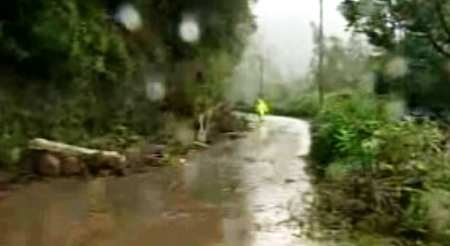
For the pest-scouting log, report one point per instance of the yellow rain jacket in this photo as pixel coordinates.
(261, 107)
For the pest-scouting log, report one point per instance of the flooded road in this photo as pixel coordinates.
(237, 193)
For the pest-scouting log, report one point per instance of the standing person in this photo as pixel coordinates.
(261, 108)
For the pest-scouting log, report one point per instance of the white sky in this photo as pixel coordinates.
(284, 30)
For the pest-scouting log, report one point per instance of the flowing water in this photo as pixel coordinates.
(253, 191)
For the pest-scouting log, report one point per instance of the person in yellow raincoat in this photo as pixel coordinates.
(261, 108)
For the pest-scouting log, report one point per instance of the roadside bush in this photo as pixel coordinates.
(381, 176)
(304, 106)
(346, 125)
(76, 117)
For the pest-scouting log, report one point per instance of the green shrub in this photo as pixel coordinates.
(302, 106)
(346, 125)
(387, 177)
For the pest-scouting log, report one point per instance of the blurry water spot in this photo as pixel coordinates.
(189, 29)
(129, 17)
(396, 67)
(155, 87)
(156, 91)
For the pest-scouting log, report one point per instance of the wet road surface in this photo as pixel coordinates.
(237, 193)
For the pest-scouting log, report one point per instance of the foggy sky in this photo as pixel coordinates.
(285, 34)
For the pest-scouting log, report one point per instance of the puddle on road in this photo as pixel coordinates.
(238, 193)
(260, 186)
(148, 209)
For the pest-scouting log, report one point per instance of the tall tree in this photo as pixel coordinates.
(382, 20)
(416, 30)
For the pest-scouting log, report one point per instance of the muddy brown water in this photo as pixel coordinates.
(238, 193)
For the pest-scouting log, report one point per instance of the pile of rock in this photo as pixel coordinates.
(49, 158)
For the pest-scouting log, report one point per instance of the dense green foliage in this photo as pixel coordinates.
(305, 106)
(379, 176)
(381, 20)
(69, 71)
(418, 32)
(382, 180)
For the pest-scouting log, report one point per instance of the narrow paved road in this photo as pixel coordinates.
(265, 177)
(237, 193)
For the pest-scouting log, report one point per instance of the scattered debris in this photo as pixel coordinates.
(49, 165)
(203, 145)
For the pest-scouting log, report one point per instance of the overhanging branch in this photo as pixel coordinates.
(437, 46)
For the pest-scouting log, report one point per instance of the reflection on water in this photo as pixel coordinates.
(135, 210)
(240, 192)
(260, 179)
(261, 186)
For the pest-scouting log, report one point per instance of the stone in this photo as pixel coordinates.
(49, 165)
(70, 166)
(107, 160)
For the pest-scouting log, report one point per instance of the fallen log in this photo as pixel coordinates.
(71, 160)
(52, 146)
